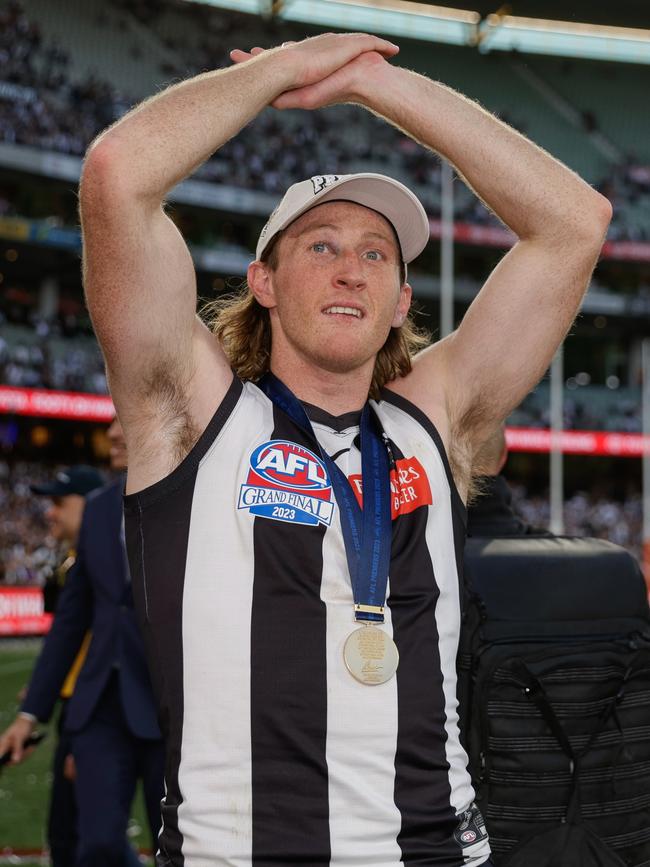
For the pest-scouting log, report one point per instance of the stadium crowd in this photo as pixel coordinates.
(619, 413)
(588, 514)
(41, 357)
(43, 105)
(27, 553)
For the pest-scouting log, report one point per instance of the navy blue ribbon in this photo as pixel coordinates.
(366, 532)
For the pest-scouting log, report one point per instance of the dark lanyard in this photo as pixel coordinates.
(366, 532)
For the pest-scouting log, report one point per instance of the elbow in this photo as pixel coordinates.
(582, 231)
(602, 214)
(596, 219)
(102, 174)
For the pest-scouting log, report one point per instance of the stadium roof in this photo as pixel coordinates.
(581, 29)
(622, 13)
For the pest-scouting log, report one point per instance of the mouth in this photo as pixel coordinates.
(337, 309)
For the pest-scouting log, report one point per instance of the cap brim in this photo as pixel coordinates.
(52, 490)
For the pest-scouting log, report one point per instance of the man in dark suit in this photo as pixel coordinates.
(111, 716)
(67, 493)
(491, 514)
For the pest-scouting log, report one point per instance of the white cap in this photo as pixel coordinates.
(388, 197)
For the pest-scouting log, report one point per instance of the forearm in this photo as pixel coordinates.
(164, 139)
(530, 191)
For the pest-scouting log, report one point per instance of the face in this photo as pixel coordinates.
(335, 293)
(64, 517)
(118, 445)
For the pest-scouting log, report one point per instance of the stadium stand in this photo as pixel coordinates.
(591, 407)
(64, 77)
(61, 98)
(27, 554)
(588, 514)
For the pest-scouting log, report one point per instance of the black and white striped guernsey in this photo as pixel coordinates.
(275, 754)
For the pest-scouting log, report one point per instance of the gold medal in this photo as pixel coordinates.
(370, 655)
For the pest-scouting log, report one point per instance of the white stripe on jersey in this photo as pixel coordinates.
(361, 720)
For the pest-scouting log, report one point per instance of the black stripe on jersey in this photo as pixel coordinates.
(157, 530)
(422, 789)
(289, 689)
(458, 508)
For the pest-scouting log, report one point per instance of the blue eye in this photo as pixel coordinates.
(319, 247)
(374, 255)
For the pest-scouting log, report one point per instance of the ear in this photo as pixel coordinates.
(403, 306)
(260, 281)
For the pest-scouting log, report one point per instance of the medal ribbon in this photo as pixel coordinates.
(366, 532)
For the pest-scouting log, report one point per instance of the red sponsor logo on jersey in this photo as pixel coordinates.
(409, 487)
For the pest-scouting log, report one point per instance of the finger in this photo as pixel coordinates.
(25, 754)
(239, 56)
(257, 50)
(367, 42)
(306, 97)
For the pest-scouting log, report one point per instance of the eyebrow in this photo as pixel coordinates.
(368, 234)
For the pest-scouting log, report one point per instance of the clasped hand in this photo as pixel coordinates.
(326, 69)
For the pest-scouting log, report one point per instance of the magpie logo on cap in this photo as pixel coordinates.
(319, 182)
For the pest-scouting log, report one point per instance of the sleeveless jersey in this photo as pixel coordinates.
(276, 755)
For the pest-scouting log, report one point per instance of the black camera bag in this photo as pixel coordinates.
(554, 688)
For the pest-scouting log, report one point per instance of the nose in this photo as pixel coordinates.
(350, 274)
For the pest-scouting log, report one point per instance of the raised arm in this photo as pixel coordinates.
(521, 315)
(167, 372)
(512, 329)
(470, 381)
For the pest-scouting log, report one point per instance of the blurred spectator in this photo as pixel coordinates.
(41, 353)
(28, 554)
(588, 514)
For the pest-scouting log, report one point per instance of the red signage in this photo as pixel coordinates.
(93, 407)
(42, 403)
(21, 611)
(577, 442)
(498, 236)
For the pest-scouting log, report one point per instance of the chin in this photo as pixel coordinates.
(341, 361)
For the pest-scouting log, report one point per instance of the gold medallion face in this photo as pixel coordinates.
(370, 655)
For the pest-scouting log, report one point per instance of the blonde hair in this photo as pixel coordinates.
(244, 328)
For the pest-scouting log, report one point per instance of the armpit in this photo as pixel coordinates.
(167, 392)
(464, 434)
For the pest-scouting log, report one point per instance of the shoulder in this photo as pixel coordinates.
(104, 498)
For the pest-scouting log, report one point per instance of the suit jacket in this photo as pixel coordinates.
(97, 596)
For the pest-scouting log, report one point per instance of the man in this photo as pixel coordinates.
(68, 494)
(289, 740)
(111, 718)
(491, 513)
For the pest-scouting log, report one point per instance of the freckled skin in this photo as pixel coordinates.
(337, 254)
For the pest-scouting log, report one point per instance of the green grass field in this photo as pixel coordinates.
(24, 789)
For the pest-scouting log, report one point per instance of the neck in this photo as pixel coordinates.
(334, 392)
